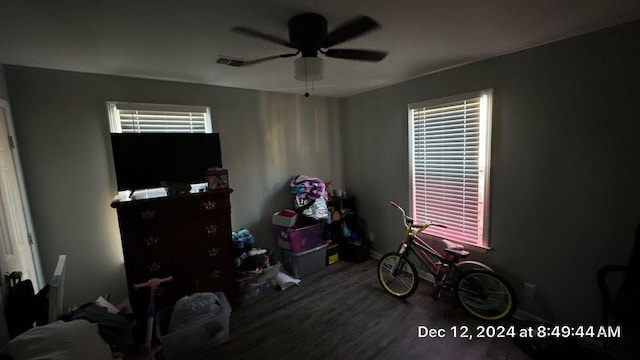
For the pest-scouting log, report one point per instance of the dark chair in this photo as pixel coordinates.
(623, 306)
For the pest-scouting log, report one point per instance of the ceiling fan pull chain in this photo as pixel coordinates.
(306, 81)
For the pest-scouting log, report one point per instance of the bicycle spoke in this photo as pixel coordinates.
(486, 296)
(397, 275)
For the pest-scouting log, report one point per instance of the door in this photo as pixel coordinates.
(18, 251)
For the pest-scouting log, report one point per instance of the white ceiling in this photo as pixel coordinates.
(181, 40)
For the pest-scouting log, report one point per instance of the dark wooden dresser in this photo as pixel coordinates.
(185, 236)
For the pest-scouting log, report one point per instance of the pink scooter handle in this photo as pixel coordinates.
(152, 283)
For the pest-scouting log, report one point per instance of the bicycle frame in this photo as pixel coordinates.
(481, 292)
(427, 255)
(437, 264)
(424, 251)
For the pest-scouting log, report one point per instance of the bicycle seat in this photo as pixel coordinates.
(455, 249)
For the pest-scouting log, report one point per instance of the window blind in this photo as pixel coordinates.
(449, 157)
(158, 118)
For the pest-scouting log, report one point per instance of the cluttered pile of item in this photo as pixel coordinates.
(256, 268)
(300, 231)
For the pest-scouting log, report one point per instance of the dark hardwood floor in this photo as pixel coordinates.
(342, 312)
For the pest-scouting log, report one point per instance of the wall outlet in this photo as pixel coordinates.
(529, 289)
(371, 236)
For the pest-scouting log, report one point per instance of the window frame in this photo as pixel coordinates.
(115, 124)
(484, 162)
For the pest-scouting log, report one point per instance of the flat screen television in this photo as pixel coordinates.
(142, 161)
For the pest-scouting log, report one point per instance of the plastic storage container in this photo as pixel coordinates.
(253, 286)
(284, 217)
(306, 262)
(196, 340)
(300, 239)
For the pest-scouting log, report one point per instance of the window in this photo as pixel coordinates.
(449, 141)
(158, 118)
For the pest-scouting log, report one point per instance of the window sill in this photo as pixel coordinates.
(471, 247)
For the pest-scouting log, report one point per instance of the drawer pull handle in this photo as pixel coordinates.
(215, 274)
(151, 240)
(211, 229)
(148, 214)
(154, 266)
(209, 205)
(214, 251)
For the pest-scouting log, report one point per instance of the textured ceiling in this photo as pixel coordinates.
(181, 40)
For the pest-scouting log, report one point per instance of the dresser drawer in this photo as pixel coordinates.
(206, 230)
(210, 278)
(142, 268)
(205, 206)
(187, 263)
(149, 213)
(204, 256)
(143, 240)
(146, 242)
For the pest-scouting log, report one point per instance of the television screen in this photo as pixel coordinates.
(144, 160)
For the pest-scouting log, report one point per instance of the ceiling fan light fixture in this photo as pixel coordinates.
(308, 69)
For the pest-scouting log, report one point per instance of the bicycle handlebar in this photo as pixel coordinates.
(152, 283)
(405, 218)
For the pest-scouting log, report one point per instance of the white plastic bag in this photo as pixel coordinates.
(192, 309)
(318, 210)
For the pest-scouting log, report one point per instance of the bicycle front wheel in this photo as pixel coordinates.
(397, 275)
(485, 295)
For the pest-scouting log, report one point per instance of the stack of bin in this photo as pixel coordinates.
(304, 250)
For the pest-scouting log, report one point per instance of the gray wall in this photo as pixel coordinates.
(3, 85)
(564, 188)
(61, 121)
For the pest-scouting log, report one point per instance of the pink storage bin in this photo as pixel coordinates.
(297, 240)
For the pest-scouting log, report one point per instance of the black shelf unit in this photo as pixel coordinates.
(346, 230)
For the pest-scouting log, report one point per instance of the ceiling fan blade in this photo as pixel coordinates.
(349, 30)
(241, 63)
(260, 35)
(356, 54)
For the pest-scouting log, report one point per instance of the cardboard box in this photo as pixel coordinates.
(217, 178)
(286, 218)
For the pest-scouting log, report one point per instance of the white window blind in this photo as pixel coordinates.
(158, 118)
(449, 153)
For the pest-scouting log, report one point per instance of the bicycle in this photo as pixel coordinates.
(481, 292)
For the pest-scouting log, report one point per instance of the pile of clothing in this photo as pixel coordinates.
(311, 197)
(249, 260)
(242, 239)
(254, 261)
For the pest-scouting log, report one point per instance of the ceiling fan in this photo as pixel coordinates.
(308, 36)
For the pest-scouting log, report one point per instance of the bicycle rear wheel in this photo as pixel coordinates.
(397, 275)
(485, 295)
